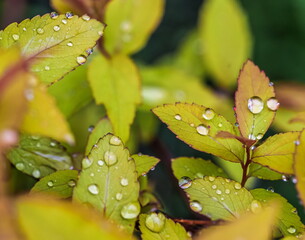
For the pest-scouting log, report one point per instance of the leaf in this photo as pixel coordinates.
(259, 171)
(226, 39)
(189, 122)
(195, 168)
(59, 184)
(50, 39)
(102, 128)
(115, 82)
(218, 198)
(109, 183)
(130, 24)
(39, 156)
(255, 102)
(44, 118)
(277, 152)
(300, 118)
(72, 92)
(250, 227)
(299, 171)
(284, 121)
(144, 163)
(155, 226)
(48, 219)
(288, 222)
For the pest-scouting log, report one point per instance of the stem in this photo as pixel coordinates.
(245, 167)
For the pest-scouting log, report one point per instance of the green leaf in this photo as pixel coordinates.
(157, 227)
(289, 222)
(147, 125)
(48, 219)
(259, 171)
(226, 39)
(102, 128)
(115, 82)
(218, 198)
(283, 121)
(144, 163)
(254, 101)
(108, 182)
(39, 156)
(59, 184)
(50, 40)
(195, 168)
(198, 126)
(130, 24)
(72, 92)
(277, 152)
(44, 118)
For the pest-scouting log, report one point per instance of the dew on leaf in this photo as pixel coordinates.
(259, 136)
(155, 222)
(54, 15)
(124, 182)
(115, 141)
(202, 130)
(81, 59)
(273, 104)
(255, 105)
(20, 166)
(56, 28)
(130, 210)
(47, 68)
(15, 37)
(270, 189)
(86, 163)
(284, 178)
(220, 125)
(255, 206)
(69, 15)
(227, 191)
(237, 186)
(214, 186)
(93, 189)
(50, 183)
(195, 206)
(40, 31)
(208, 114)
(71, 183)
(291, 229)
(64, 21)
(100, 163)
(110, 158)
(70, 44)
(36, 173)
(185, 182)
(211, 178)
(297, 142)
(218, 192)
(89, 51)
(178, 117)
(85, 17)
(119, 196)
(126, 26)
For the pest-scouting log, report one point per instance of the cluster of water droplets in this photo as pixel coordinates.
(256, 104)
(126, 28)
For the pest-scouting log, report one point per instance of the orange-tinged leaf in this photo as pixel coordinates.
(277, 152)
(198, 126)
(254, 101)
(291, 95)
(299, 163)
(284, 121)
(44, 118)
(300, 118)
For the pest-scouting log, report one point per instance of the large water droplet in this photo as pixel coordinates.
(50, 183)
(237, 186)
(54, 15)
(115, 141)
(195, 206)
(56, 28)
(36, 173)
(71, 183)
(70, 44)
(255, 105)
(202, 130)
(40, 31)
(85, 17)
(86, 163)
(69, 15)
(110, 158)
(119, 196)
(185, 182)
(291, 229)
(273, 104)
(15, 37)
(93, 189)
(256, 206)
(130, 210)
(208, 114)
(178, 117)
(155, 222)
(81, 59)
(124, 182)
(20, 166)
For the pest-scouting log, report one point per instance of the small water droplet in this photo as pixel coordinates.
(195, 206)
(227, 191)
(64, 21)
(36, 173)
(56, 28)
(20, 166)
(220, 125)
(202, 130)
(81, 59)
(236, 124)
(24, 29)
(100, 33)
(284, 178)
(70, 44)
(259, 136)
(199, 175)
(237, 186)
(130, 210)
(155, 222)
(291, 229)
(271, 84)
(53, 144)
(294, 180)
(178, 117)
(86, 163)
(273, 104)
(71, 183)
(114, 140)
(91, 174)
(256, 206)
(54, 15)
(90, 128)
(15, 37)
(124, 182)
(89, 51)
(270, 189)
(214, 186)
(85, 17)
(47, 68)
(255, 105)
(211, 178)
(208, 114)
(252, 137)
(40, 31)
(294, 211)
(69, 15)
(50, 183)
(100, 163)
(126, 26)
(185, 182)
(119, 196)
(93, 189)
(297, 142)
(218, 192)
(110, 158)
(29, 94)
(192, 124)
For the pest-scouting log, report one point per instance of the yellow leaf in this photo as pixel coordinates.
(299, 166)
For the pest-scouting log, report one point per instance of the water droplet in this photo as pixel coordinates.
(202, 130)
(271, 84)
(218, 192)
(110, 158)
(40, 31)
(255, 105)
(237, 186)
(69, 15)
(64, 21)
(192, 124)
(24, 29)
(259, 136)
(70, 44)
(214, 186)
(36, 173)
(115, 141)
(86, 163)
(71, 183)
(119, 196)
(199, 175)
(297, 142)
(15, 37)
(29, 94)
(220, 125)
(100, 163)
(208, 114)
(93, 189)
(185, 182)
(92, 174)
(124, 182)
(273, 104)
(50, 183)
(270, 189)
(252, 137)
(256, 206)
(56, 28)
(294, 180)
(130, 210)
(126, 26)
(291, 229)
(89, 51)
(178, 117)
(294, 211)
(227, 191)
(100, 33)
(284, 178)
(211, 178)
(47, 68)
(20, 166)
(53, 144)
(236, 124)
(81, 59)
(195, 206)
(155, 222)
(54, 15)
(85, 17)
